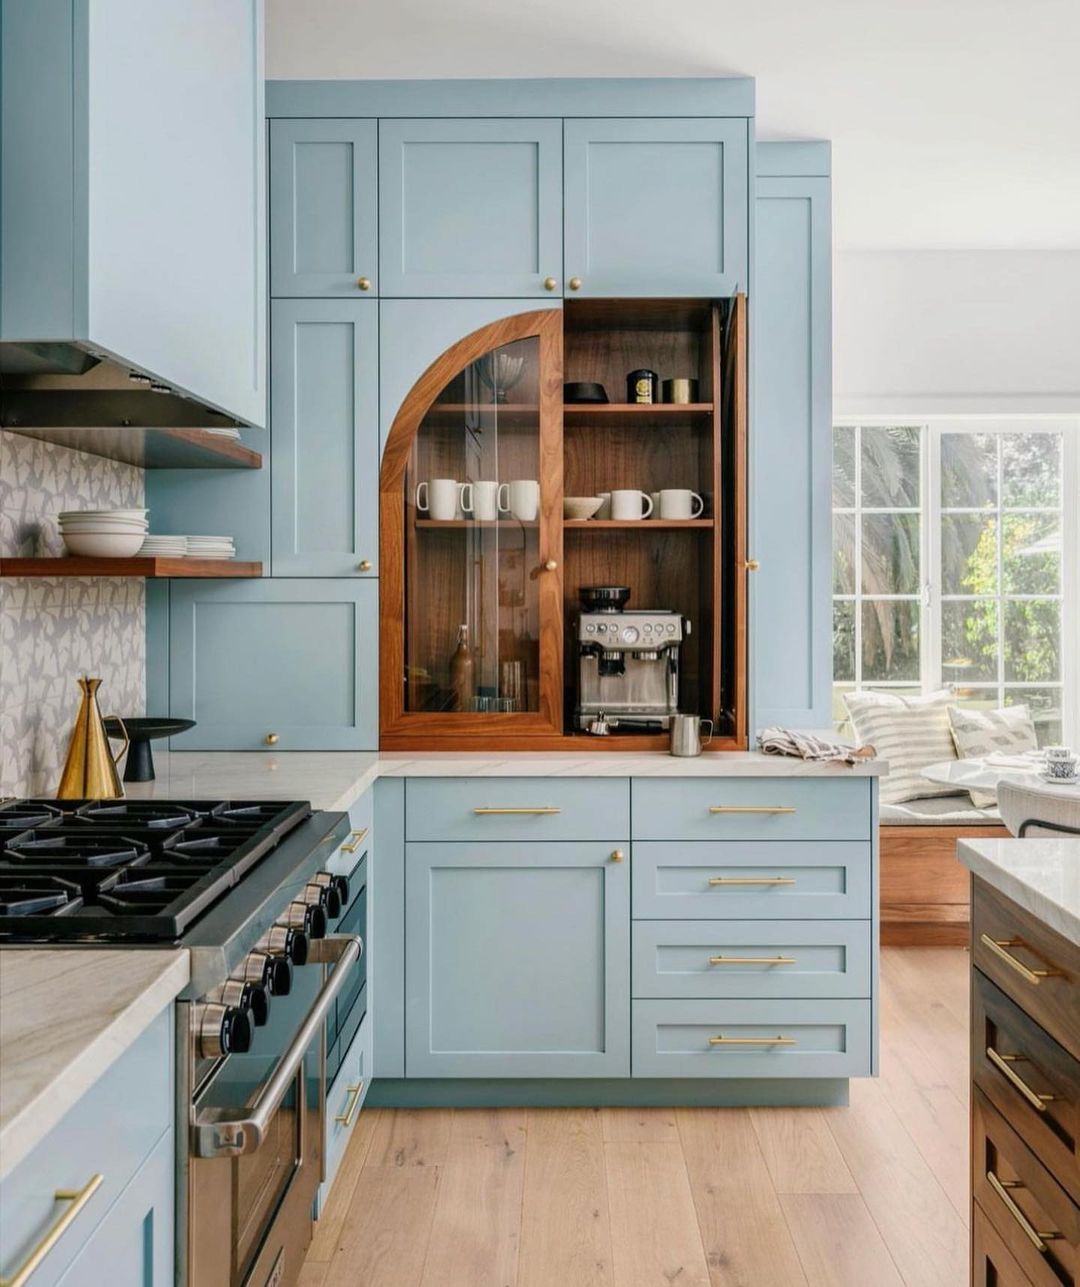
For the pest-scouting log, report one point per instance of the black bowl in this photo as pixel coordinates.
(584, 391)
(139, 766)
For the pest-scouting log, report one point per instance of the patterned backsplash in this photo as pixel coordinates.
(53, 630)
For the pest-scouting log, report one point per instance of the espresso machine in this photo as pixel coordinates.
(628, 662)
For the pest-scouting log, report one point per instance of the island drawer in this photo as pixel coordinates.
(1019, 1066)
(766, 880)
(744, 958)
(772, 808)
(821, 1038)
(454, 809)
(1035, 1217)
(992, 1263)
(1031, 963)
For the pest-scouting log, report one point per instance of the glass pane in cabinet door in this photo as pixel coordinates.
(472, 535)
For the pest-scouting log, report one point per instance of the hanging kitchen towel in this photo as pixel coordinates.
(786, 741)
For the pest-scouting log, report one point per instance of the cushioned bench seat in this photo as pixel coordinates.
(941, 811)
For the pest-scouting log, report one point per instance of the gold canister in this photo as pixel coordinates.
(90, 769)
(682, 389)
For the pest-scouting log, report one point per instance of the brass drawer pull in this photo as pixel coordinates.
(751, 960)
(751, 1041)
(78, 1199)
(355, 840)
(751, 808)
(548, 808)
(346, 1118)
(1001, 1187)
(998, 946)
(1001, 1063)
(751, 880)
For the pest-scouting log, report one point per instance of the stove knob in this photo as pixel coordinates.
(279, 975)
(223, 1030)
(326, 896)
(242, 994)
(284, 943)
(340, 883)
(307, 918)
(267, 970)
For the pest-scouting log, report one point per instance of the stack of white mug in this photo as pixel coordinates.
(628, 504)
(445, 499)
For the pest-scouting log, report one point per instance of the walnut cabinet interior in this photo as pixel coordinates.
(481, 572)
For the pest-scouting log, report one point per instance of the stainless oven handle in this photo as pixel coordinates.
(214, 1136)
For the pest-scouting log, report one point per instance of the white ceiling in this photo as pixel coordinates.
(954, 123)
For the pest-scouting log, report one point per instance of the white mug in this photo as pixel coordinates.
(627, 504)
(678, 502)
(605, 505)
(523, 499)
(439, 498)
(485, 501)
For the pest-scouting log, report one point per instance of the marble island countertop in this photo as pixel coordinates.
(66, 1014)
(1042, 876)
(336, 779)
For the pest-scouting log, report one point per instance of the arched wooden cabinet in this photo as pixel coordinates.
(481, 573)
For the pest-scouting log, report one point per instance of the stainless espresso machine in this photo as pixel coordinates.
(628, 662)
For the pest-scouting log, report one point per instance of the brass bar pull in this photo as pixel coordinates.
(751, 960)
(549, 808)
(751, 808)
(1001, 1188)
(1001, 1063)
(721, 1040)
(998, 946)
(355, 840)
(346, 1118)
(751, 880)
(78, 1199)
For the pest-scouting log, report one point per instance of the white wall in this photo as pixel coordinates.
(956, 331)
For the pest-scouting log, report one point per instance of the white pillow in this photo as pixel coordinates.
(976, 733)
(909, 732)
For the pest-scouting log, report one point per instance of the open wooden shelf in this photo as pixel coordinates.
(632, 524)
(479, 523)
(137, 566)
(646, 410)
(153, 448)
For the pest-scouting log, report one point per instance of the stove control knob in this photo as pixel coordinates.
(223, 1030)
(284, 942)
(307, 918)
(340, 884)
(242, 994)
(268, 971)
(325, 896)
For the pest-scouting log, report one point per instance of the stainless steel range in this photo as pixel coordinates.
(244, 886)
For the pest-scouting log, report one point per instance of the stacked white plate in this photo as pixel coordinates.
(211, 547)
(165, 547)
(103, 533)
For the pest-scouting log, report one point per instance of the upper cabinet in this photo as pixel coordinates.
(133, 191)
(324, 208)
(470, 207)
(656, 207)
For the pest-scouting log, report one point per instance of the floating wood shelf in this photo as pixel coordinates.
(480, 524)
(153, 448)
(632, 524)
(137, 566)
(647, 410)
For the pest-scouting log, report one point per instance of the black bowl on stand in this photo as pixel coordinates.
(139, 765)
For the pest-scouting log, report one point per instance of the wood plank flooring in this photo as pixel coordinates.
(872, 1195)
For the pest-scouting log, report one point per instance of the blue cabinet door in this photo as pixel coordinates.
(324, 436)
(323, 207)
(517, 960)
(470, 207)
(289, 664)
(791, 605)
(656, 207)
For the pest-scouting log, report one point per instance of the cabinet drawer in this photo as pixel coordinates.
(1035, 1217)
(751, 959)
(110, 1132)
(346, 1096)
(682, 1039)
(1015, 1063)
(752, 809)
(992, 1263)
(745, 879)
(448, 809)
(1039, 969)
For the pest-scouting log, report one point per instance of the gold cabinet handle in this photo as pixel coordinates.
(751, 960)
(751, 808)
(78, 1199)
(346, 1118)
(364, 283)
(487, 812)
(1001, 1188)
(751, 880)
(752, 565)
(574, 283)
(550, 283)
(364, 565)
(355, 840)
(617, 855)
(271, 739)
(721, 1040)
(1002, 1064)
(998, 946)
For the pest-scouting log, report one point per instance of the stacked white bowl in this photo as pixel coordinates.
(103, 533)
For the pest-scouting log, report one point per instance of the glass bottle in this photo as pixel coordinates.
(462, 667)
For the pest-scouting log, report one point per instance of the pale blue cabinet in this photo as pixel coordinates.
(791, 446)
(324, 437)
(470, 207)
(283, 663)
(656, 207)
(323, 207)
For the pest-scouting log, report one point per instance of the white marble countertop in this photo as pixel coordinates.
(336, 779)
(65, 1016)
(1042, 876)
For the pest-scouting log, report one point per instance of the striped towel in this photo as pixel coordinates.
(785, 741)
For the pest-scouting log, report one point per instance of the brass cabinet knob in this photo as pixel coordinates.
(364, 283)
(550, 565)
(752, 565)
(364, 565)
(271, 739)
(617, 855)
(574, 283)
(550, 283)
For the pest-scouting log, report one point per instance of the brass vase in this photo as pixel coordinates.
(90, 769)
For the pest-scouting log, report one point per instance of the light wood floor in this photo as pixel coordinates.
(872, 1195)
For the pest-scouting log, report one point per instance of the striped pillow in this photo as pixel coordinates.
(976, 733)
(909, 732)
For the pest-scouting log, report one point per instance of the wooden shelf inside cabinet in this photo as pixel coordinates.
(137, 566)
(154, 448)
(634, 524)
(637, 410)
(474, 524)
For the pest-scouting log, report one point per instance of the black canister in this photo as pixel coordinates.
(643, 386)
